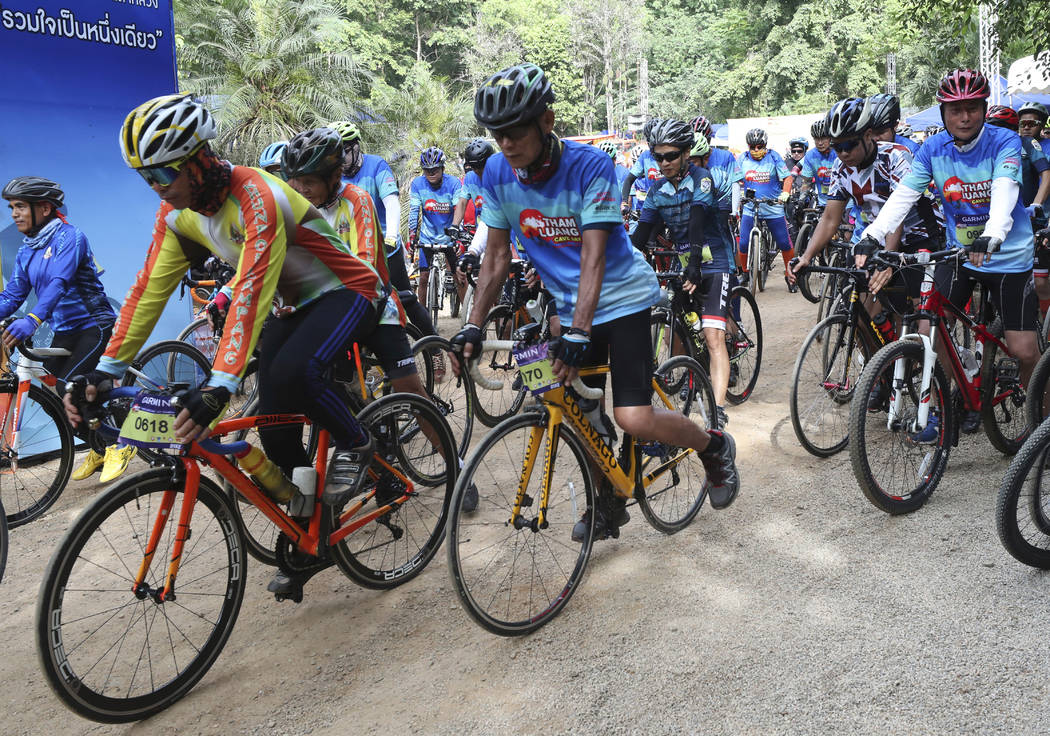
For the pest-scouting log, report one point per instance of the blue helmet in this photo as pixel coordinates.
(432, 158)
(799, 142)
(271, 155)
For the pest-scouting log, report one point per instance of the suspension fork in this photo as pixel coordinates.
(929, 360)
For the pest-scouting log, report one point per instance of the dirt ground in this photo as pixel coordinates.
(800, 609)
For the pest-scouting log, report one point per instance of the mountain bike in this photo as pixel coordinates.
(512, 561)
(440, 281)
(1022, 508)
(761, 248)
(143, 591)
(900, 451)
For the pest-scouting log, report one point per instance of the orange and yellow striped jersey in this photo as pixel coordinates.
(282, 247)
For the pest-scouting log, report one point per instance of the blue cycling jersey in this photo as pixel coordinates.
(1044, 143)
(722, 165)
(377, 178)
(549, 218)
(964, 182)
(1033, 163)
(432, 208)
(817, 166)
(621, 175)
(59, 266)
(673, 206)
(471, 189)
(765, 178)
(907, 143)
(645, 170)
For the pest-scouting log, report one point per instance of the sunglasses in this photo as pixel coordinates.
(672, 156)
(846, 146)
(1031, 124)
(434, 170)
(162, 175)
(756, 148)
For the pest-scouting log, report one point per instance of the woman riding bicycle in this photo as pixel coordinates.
(765, 172)
(55, 261)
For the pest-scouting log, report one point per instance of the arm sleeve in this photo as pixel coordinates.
(62, 271)
(480, 240)
(738, 195)
(392, 203)
(701, 222)
(15, 292)
(625, 189)
(1005, 192)
(492, 213)
(642, 231)
(413, 210)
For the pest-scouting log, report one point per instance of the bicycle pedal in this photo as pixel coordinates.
(1008, 369)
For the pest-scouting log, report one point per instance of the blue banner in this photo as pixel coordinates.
(72, 71)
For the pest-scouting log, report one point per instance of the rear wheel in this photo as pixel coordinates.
(168, 365)
(744, 343)
(1002, 398)
(452, 395)
(755, 248)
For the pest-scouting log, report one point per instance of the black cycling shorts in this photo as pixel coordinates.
(714, 299)
(390, 345)
(626, 345)
(1012, 294)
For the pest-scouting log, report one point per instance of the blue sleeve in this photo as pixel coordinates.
(636, 168)
(1038, 159)
(413, 208)
(16, 291)
(385, 181)
(808, 169)
(60, 274)
(649, 211)
(601, 197)
(1008, 161)
(782, 169)
(921, 171)
(703, 186)
(492, 213)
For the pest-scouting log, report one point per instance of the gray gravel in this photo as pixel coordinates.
(801, 609)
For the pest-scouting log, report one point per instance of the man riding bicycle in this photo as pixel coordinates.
(764, 171)
(559, 198)
(431, 201)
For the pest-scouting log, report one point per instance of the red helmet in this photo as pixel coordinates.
(1003, 116)
(963, 84)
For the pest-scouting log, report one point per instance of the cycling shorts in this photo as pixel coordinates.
(1042, 264)
(1012, 294)
(390, 345)
(714, 299)
(625, 343)
(85, 348)
(425, 254)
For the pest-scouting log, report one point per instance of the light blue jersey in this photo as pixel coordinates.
(432, 208)
(722, 166)
(1033, 163)
(907, 143)
(377, 178)
(673, 207)
(646, 171)
(470, 189)
(765, 177)
(964, 182)
(549, 218)
(817, 166)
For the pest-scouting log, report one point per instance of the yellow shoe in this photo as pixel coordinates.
(117, 459)
(92, 462)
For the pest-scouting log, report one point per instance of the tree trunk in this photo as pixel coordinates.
(419, 41)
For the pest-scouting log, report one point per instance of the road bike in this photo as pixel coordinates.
(513, 562)
(143, 591)
(440, 280)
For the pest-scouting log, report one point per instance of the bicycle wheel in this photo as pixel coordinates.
(167, 364)
(3, 541)
(896, 472)
(831, 286)
(1044, 329)
(452, 395)
(200, 335)
(492, 407)
(414, 439)
(1037, 402)
(113, 655)
(36, 458)
(1022, 509)
(1002, 400)
(744, 343)
(825, 377)
(434, 293)
(755, 249)
(670, 336)
(674, 499)
(514, 577)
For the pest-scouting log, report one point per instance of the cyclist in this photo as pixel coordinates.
(796, 150)
(765, 172)
(56, 262)
(1032, 119)
(977, 170)
(622, 172)
(816, 166)
(328, 298)
(559, 198)
(1035, 168)
(684, 200)
(643, 172)
(722, 166)
(270, 158)
(886, 116)
(431, 200)
(375, 176)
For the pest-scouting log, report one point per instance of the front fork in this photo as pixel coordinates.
(189, 501)
(929, 360)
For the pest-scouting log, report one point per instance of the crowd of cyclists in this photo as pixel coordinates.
(314, 232)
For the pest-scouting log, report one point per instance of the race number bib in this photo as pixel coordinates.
(151, 423)
(534, 365)
(969, 227)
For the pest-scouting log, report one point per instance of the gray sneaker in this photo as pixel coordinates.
(347, 472)
(723, 481)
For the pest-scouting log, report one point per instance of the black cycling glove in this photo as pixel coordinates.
(867, 246)
(469, 262)
(90, 410)
(572, 347)
(205, 404)
(469, 335)
(694, 268)
(985, 244)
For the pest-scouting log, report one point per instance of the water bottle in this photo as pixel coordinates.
(305, 480)
(535, 311)
(969, 362)
(267, 475)
(592, 409)
(882, 323)
(693, 322)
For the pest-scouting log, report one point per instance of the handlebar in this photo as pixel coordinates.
(894, 259)
(489, 346)
(40, 354)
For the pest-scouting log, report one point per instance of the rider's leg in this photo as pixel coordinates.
(714, 312)
(417, 313)
(746, 223)
(778, 227)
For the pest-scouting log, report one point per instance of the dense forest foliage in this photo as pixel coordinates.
(407, 68)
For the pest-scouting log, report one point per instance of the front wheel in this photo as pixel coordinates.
(897, 464)
(513, 574)
(114, 655)
(452, 395)
(1022, 510)
(744, 343)
(755, 249)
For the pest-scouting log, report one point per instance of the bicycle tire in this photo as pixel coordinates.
(1002, 405)
(166, 364)
(483, 544)
(831, 286)
(1022, 508)
(200, 335)
(492, 407)
(433, 294)
(670, 337)
(673, 507)
(32, 484)
(4, 541)
(768, 254)
(1037, 403)
(754, 250)
(452, 395)
(801, 243)
(745, 347)
(377, 555)
(84, 674)
(866, 428)
(819, 403)
(1044, 327)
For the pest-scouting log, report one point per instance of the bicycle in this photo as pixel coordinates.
(811, 213)
(511, 561)
(439, 279)
(122, 635)
(1022, 508)
(743, 334)
(202, 291)
(829, 364)
(761, 248)
(900, 452)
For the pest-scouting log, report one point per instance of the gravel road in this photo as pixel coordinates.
(800, 609)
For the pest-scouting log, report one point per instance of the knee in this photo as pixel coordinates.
(635, 420)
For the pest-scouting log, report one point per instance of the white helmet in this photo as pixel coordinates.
(165, 130)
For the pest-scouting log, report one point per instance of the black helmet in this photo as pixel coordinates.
(316, 151)
(34, 189)
(649, 127)
(756, 137)
(849, 117)
(516, 95)
(671, 133)
(885, 110)
(819, 129)
(477, 152)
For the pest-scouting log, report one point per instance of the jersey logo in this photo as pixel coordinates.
(344, 226)
(758, 177)
(823, 172)
(958, 191)
(236, 235)
(705, 185)
(653, 173)
(559, 231)
(47, 253)
(440, 208)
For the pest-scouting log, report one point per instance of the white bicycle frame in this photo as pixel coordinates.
(929, 359)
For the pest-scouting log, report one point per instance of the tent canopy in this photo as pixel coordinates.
(932, 115)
